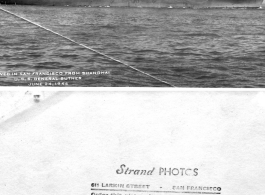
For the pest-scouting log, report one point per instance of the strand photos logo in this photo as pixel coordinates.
(160, 171)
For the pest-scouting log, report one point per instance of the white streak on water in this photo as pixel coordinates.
(89, 48)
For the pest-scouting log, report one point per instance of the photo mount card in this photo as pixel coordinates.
(132, 143)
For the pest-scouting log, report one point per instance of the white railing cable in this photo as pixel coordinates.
(89, 48)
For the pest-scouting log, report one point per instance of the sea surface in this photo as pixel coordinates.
(202, 48)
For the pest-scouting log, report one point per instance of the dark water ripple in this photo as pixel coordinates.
(188, 48)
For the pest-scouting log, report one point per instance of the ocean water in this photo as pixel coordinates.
(204, 48)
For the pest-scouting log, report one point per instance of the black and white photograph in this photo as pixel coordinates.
(132, 97)
(132, 43)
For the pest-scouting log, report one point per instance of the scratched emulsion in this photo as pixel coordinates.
(187, 48)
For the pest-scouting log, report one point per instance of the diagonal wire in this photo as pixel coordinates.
(89, 48)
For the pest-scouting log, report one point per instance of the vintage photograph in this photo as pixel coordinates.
(132, 43)
(132, 143)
